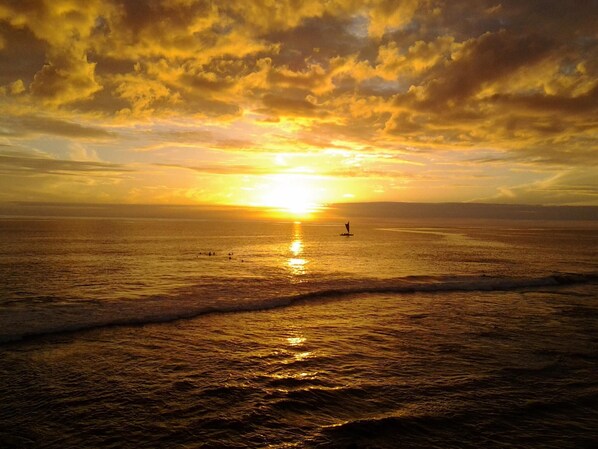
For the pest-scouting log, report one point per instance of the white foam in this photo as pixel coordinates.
(241, 295)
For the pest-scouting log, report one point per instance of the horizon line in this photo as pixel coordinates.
(381, 210)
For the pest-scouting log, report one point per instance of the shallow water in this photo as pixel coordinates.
(453, 337)
(481, 369)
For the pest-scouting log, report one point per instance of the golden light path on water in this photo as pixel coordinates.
(296, 263)
(408, 367)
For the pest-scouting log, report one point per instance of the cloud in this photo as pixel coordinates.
(289, 106)
(472, 65)
(438, 80)
(20, 126)
(574, 187)
(66, 75)
(222, 169)
(388, 14)
(583, 103)
(35, 163)
(64, 79)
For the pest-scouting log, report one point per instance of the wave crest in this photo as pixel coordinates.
(240, 296)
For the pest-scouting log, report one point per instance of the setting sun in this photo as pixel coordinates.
(293, 194)
(298, 223)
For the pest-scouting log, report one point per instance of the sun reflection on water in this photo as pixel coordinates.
(302, 355)
(296, 263)
(295, 341)
(296, 247)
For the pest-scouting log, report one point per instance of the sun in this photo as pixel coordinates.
(292, 194)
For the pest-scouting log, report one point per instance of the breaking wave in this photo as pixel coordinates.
(240, 295)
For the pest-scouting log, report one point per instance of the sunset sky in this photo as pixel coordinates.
(293, 104)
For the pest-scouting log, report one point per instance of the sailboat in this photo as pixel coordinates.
(348, 233)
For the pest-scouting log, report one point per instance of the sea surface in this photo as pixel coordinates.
(129, 333)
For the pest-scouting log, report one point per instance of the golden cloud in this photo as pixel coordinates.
(403, 76)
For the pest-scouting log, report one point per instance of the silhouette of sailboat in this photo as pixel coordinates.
(348, 233)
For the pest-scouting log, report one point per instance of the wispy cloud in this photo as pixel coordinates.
(17, 162)
(20, 126)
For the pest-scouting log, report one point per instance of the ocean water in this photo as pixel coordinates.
(188, 333)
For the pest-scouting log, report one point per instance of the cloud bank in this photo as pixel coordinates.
(417, 100)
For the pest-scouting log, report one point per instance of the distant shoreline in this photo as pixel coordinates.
(375, 210)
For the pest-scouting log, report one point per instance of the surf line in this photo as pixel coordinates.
(396, 286)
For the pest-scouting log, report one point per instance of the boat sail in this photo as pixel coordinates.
(348, 233)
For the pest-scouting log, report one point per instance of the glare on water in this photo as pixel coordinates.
(296, 263)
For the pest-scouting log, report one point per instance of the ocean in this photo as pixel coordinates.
(129, 333)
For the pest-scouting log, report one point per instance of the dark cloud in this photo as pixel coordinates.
(65, 81)
(21, 56)
(207, 82)
(483, 60)
(140, 16)
(562, 18)
(316, 40)
(275, 104)
(580, 104)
